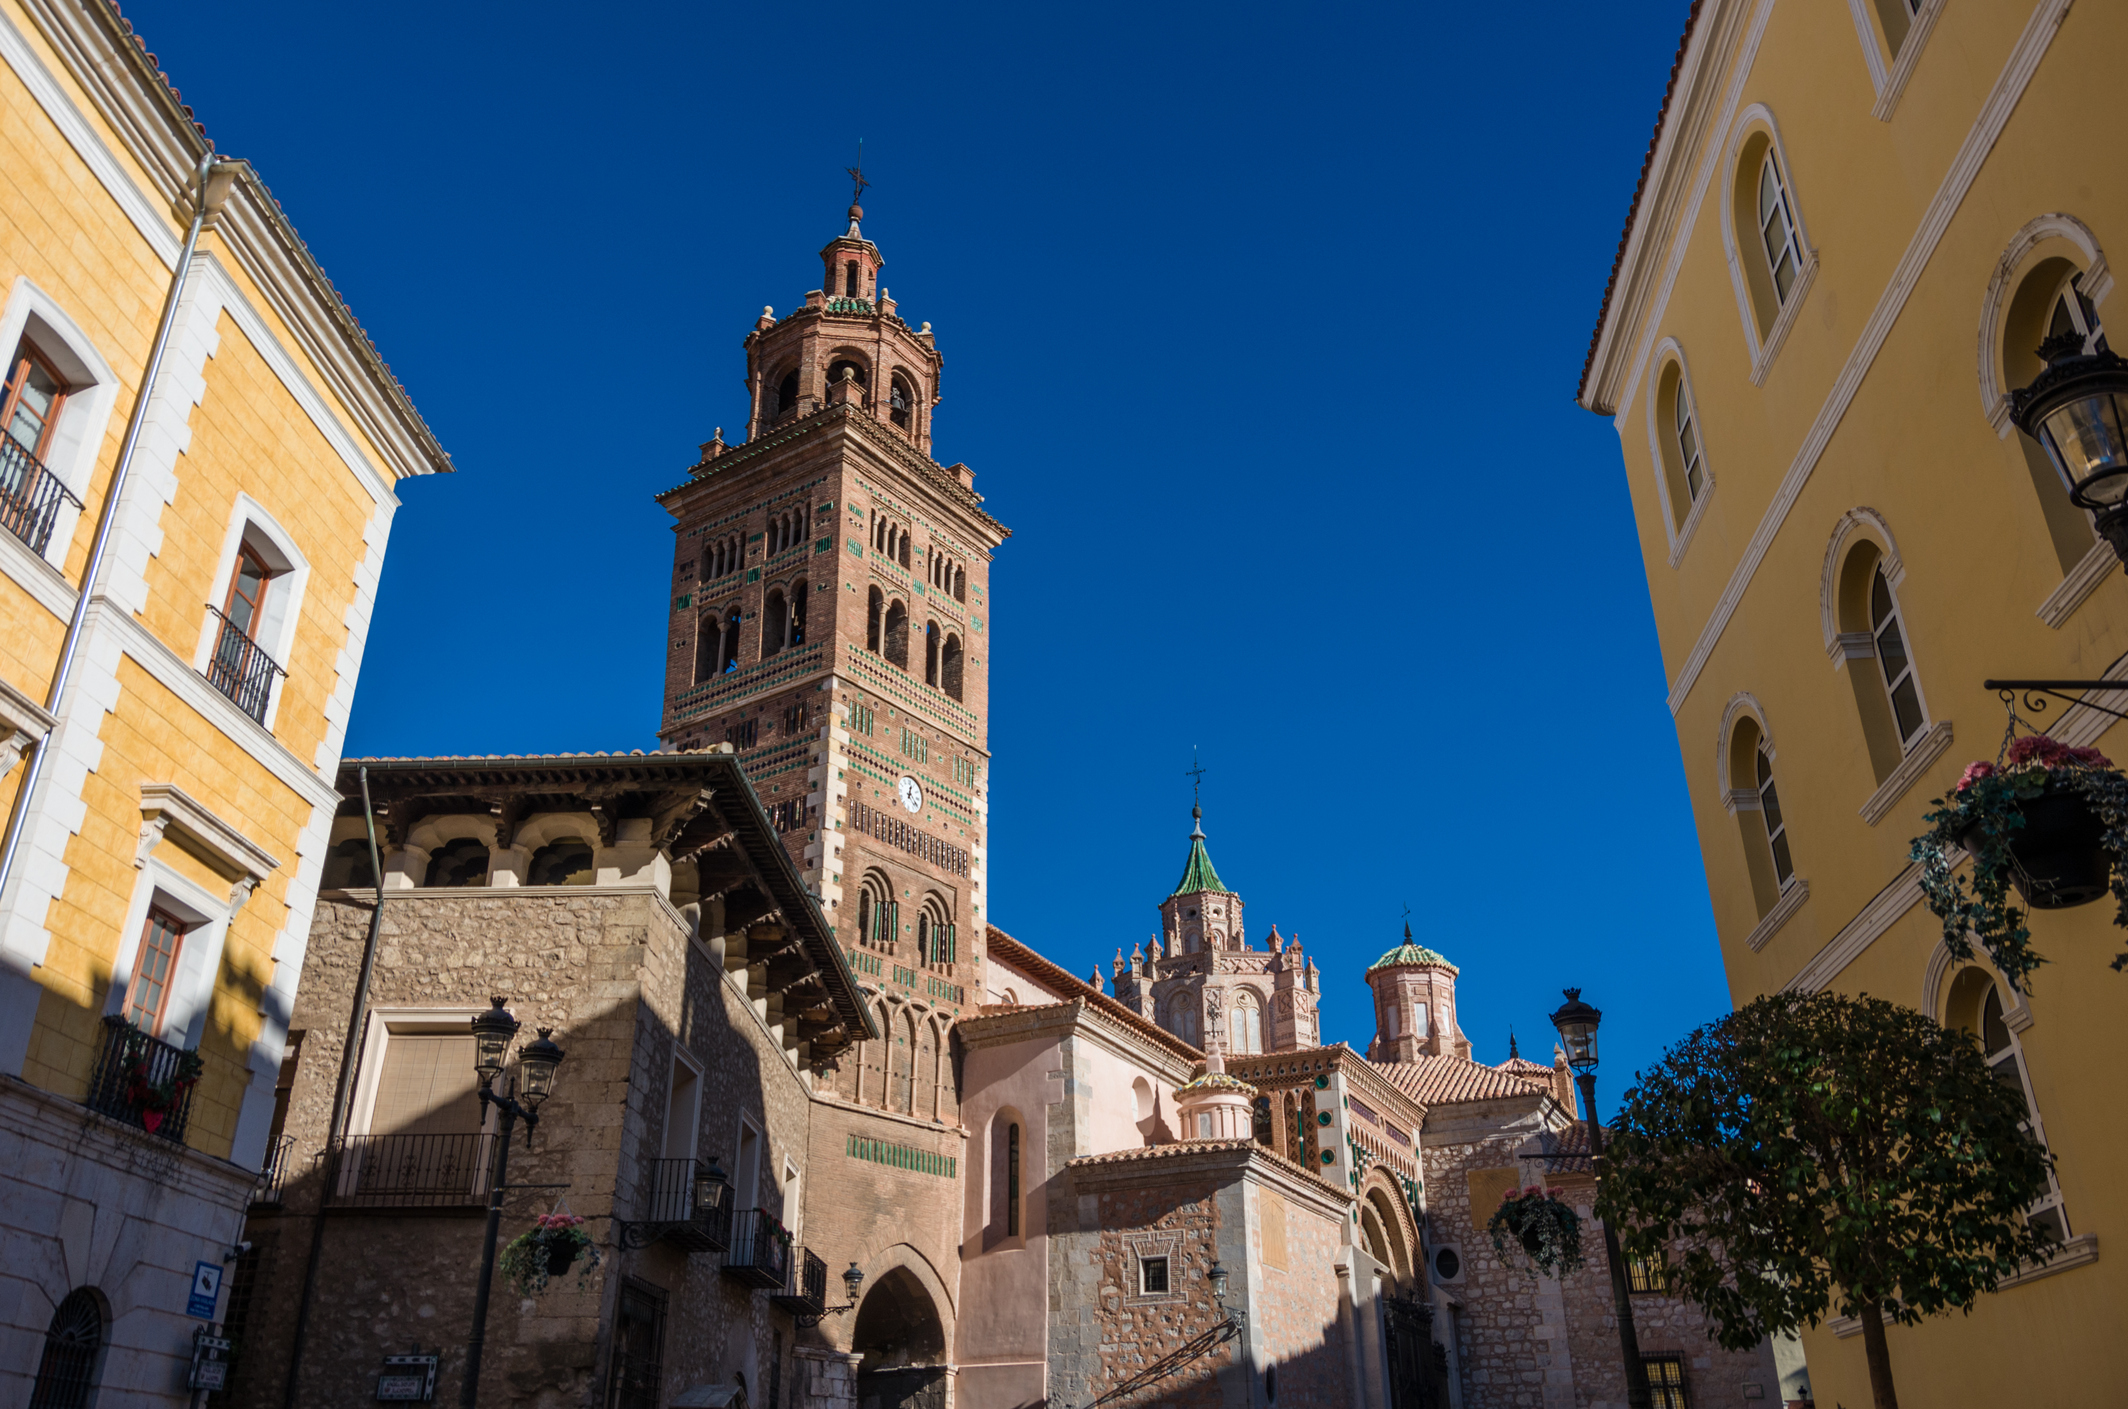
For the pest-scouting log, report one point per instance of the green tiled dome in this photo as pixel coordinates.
(1197, 872)
(1409, 953)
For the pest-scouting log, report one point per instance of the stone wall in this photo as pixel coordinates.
(1294, 1325)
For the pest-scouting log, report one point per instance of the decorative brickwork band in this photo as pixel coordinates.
(903, 1157)
(906, 837)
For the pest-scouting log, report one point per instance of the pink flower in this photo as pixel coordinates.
(2040, 751)
(1974, 772)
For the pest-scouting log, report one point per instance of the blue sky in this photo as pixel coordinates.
(1262, 328)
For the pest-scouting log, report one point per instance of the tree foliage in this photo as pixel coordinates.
(1815, 1151)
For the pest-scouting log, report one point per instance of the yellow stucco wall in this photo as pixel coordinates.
(1916, 447)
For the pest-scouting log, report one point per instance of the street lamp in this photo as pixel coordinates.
(1577, 1022)
(1219, 1278)
(492, 1034)
(2077, 409)
(852, 1283)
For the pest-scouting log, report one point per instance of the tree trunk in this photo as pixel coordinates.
(1880, 1357)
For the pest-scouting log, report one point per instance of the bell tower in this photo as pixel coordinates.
(1414, 1005)
(829, 620)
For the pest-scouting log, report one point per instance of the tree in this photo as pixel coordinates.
(1815, 1150)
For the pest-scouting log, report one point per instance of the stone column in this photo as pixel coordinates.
(830, 1376)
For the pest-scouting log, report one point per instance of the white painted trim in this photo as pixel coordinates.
(85, 415)
(2075, 589)
(43, 582)
(1870, 524)
(165, 807)
(2010, 268)
(1762, 350)
(1908, 59)
(1791, 901)
(1883, 911)
(22, 722)
(1872, 43)
(377, 1032)
(2017, 1015)
(1924, 752)
(1980, 140)
(199, 957)
(1741, 703)
(284, 592)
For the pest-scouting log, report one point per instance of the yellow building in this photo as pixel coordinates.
(1857, 220)
(177, 663)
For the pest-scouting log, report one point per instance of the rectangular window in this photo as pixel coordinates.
(1648, 1274)
(636, 1379)
(154, 969)
(1421, 1021)
(33, 397)
(1012, 1181)
(1152, 1276)
(427, 1086)
(1666, 1381)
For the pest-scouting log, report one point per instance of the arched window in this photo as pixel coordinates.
(950, 667)
(901, 554)
(775, 621)
(1756, 803)
(728, 641)
(1012, 1181)
(931, 644)
(796, 635)
(935, 939)
(1244, 1023)
(878, 915)
(709, 639)
(843, 365)
(875, 614)
(460, 862)
(925, 1081)
(1777, 228)
(897, 634)
(1976, 1005)
(960, 585)
(787, 393)
(849, 280)
(1182, 1017)
(901, 1057)
(1680, 453)
(561, 863)
(67, 1371)
(2049, 302)
(1894, 661)
(901, 404)
(347, 866)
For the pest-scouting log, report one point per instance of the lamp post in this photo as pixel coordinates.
(1577, 1022)
(492, 1034)
(852, 1283)
(1218, 1276)
(2077, 409)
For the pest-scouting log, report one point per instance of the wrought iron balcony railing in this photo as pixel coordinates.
(760, 1251)
(143, 1081)
(409, 1171)
(273, 1178)
(30, 495)
(806, 1293)
(240, 669)
(681, 1207)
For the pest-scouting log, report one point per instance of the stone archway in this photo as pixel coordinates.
(902, 1338)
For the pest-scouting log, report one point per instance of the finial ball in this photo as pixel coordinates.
(856, 212)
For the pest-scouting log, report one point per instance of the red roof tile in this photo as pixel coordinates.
(1444, 1081)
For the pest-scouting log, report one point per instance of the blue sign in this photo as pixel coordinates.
(206, 1290)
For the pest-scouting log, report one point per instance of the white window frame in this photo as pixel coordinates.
(2052, 1199)
(92, 392)
(1913, 667)
(199, 957)
(382, 1025)
(681, 1057)
(250, 524)
(1763, 350)
(1763, 753)
(1421, 1021)
(750, 1174)
(1678, 527)
(1889, 72)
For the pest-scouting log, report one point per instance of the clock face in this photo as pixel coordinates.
(912, 796)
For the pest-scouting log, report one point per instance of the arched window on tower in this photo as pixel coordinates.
(901, 551)
(878, 915)
(775, 621)
(960, 584)
(875, 613)
(849, 280)
(931, 644)
(1244, 1022)
(897, 634)
(796, 636)
(901, 404)
(950, 667)
(787, 393)
(728, 641)
(842, 365)
(934, 933)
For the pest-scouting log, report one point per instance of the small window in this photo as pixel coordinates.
(1012, 1181)
(1688, 453)
(1777, 228)
(901, 405)
(562, 863)
(1666, 1381)
(931, 645)
(1421, 1021)
(73, 1344)
(154, 971)
(1447, 1264)
(837, 368)
(897, 634)
(462, 862)
(34, 396)
(849, 280)
(1648, 1274)
(1204, 1125)
(950, 667)
(1152, 1276)
(1892, 658)
(787, 393)
(1776, 826)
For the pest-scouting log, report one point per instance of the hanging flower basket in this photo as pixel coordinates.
(2051, 822)
(549, 1248)
(150, 1099)
(1545, 1231)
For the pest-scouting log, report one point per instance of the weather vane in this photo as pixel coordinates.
(857, 175)
(1195, 773)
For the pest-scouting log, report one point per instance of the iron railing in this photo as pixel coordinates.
(273, 1177)
(806, 1293)
(30, 495)
(760, 1252)
(409, 1171)
(674, 1206)
(240, 669)
(143, 1081)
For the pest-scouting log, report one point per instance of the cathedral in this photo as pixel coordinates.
(804, 1049)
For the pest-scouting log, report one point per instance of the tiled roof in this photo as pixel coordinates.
(1640, 187)
(1009, 951)
(1215, 1081)
(1523, 1066)
(1444, 1081)
(1410, 953)
(1152, 1152)
(1197, 872)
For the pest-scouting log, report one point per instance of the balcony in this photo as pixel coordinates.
(241, 670)
(678, 1210)
(409, 1171)
(760, 1252)
(143, 1081)
(30, 496)
(273, 1178)
(807, 1292)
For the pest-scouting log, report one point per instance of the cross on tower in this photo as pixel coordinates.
(857, 175)
(1195, 773)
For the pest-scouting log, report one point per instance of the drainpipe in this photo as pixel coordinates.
(216, 174)
(337, 1124)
